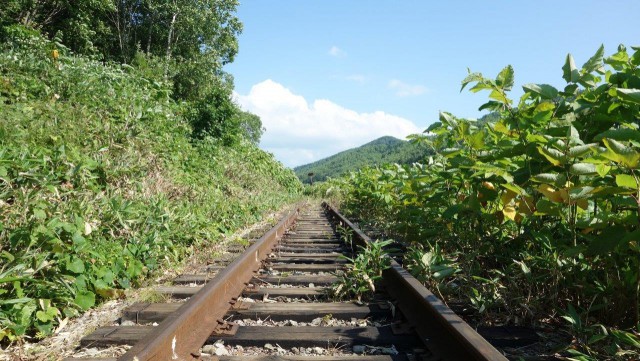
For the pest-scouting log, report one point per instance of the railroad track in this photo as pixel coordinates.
(271, 303)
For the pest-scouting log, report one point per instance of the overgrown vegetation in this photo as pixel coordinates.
(380, 151)
(533, 215)
(110, 171)
(363, 272)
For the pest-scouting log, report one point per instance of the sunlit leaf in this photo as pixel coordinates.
(505, 78)
(554, 156)
(596, 62)
(583, 168)
(620, 153)
(626, 181)
(570, 72)
(85, 299)
(545, 91)
(630, 95)
(509, 212)
(551, 193)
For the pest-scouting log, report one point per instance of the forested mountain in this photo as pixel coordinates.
(380, 151)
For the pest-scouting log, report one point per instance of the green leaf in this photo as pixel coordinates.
(472, 77)
(491, 105)
(570, 71)
(85, 299)
(576, 193)
(39, 213)
(595, 63)
(606, 241)
(447, 119)
(583, 168)
(514, 188)
(622, 134)
(618, 60)
(15, 301)
(630, 95)
(452, 211)
(626, 337)
(603, 169)
(580, 150)
(546, 207)
(499, 96)
(626, 181)
(505, 78)
(48, 315)
(78, 240)
(451, 152)
(524, 267)
(434, 126)
(554, 156)
(545, 91)
(476, 141)
(75, 266)
(444, 273)
(554, 178)
(620, 153)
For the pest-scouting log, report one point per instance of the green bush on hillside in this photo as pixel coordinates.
(101, 182)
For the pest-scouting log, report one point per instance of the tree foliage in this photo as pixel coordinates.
(118, 29)
(186, 42)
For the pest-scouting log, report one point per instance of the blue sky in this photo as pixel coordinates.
(328, 75)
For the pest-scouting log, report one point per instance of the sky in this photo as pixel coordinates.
(329, 75)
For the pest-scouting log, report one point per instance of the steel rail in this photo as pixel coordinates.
(444, 332)
(180, 335)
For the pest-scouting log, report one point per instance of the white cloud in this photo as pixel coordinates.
(403, 89)
(300, 132)
(337, 52)
(358, 78)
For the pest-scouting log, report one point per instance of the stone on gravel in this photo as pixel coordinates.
(359, 348)
(127, 323)
(209, 349)
(222, 351)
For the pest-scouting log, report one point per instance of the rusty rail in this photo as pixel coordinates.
(443, 332)
(180, 336)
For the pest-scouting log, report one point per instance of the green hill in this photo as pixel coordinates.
(382, 150)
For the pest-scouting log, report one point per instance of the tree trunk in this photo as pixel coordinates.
(168, 57)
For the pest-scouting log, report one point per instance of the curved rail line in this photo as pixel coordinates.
(304, 256)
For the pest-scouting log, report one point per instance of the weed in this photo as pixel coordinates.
(362, 273)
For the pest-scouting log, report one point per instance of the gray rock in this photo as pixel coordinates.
(209, 349)
(221, 351)
(359, 348)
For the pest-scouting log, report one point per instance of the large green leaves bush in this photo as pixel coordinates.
(538, 206)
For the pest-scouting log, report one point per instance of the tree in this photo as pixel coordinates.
(250, 126)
